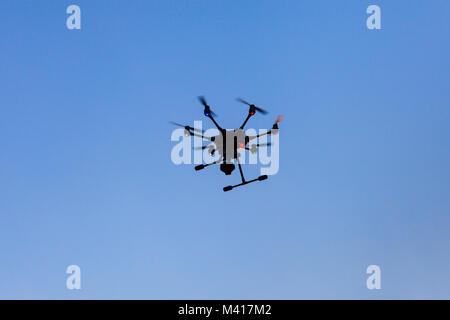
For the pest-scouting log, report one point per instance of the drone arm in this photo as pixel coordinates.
(215, 162)
(260, 135)
(199, 135)
(245, 122)
(202, 166)
(215, 123)
(274, 130)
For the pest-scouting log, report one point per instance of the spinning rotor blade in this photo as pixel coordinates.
(279, 119)
(186, 127)
(252, 106)
(243, 101)
(203, 102)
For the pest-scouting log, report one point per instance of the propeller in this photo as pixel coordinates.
(275, 125)
(279, 119)
(186, 127)
(252, 106)
(207, 107)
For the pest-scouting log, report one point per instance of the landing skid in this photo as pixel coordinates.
(260, 178)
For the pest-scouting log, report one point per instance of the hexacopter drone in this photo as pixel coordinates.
(228, 142)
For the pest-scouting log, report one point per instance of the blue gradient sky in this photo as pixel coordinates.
(85, 170)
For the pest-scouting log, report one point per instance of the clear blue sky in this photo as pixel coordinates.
(85, 170)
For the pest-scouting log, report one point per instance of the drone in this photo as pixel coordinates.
(228, 142)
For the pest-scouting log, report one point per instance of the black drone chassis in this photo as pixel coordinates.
(227, 167)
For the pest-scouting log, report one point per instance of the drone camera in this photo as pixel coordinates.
(227, 168)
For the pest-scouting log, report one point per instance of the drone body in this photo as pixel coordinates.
(228, 142)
